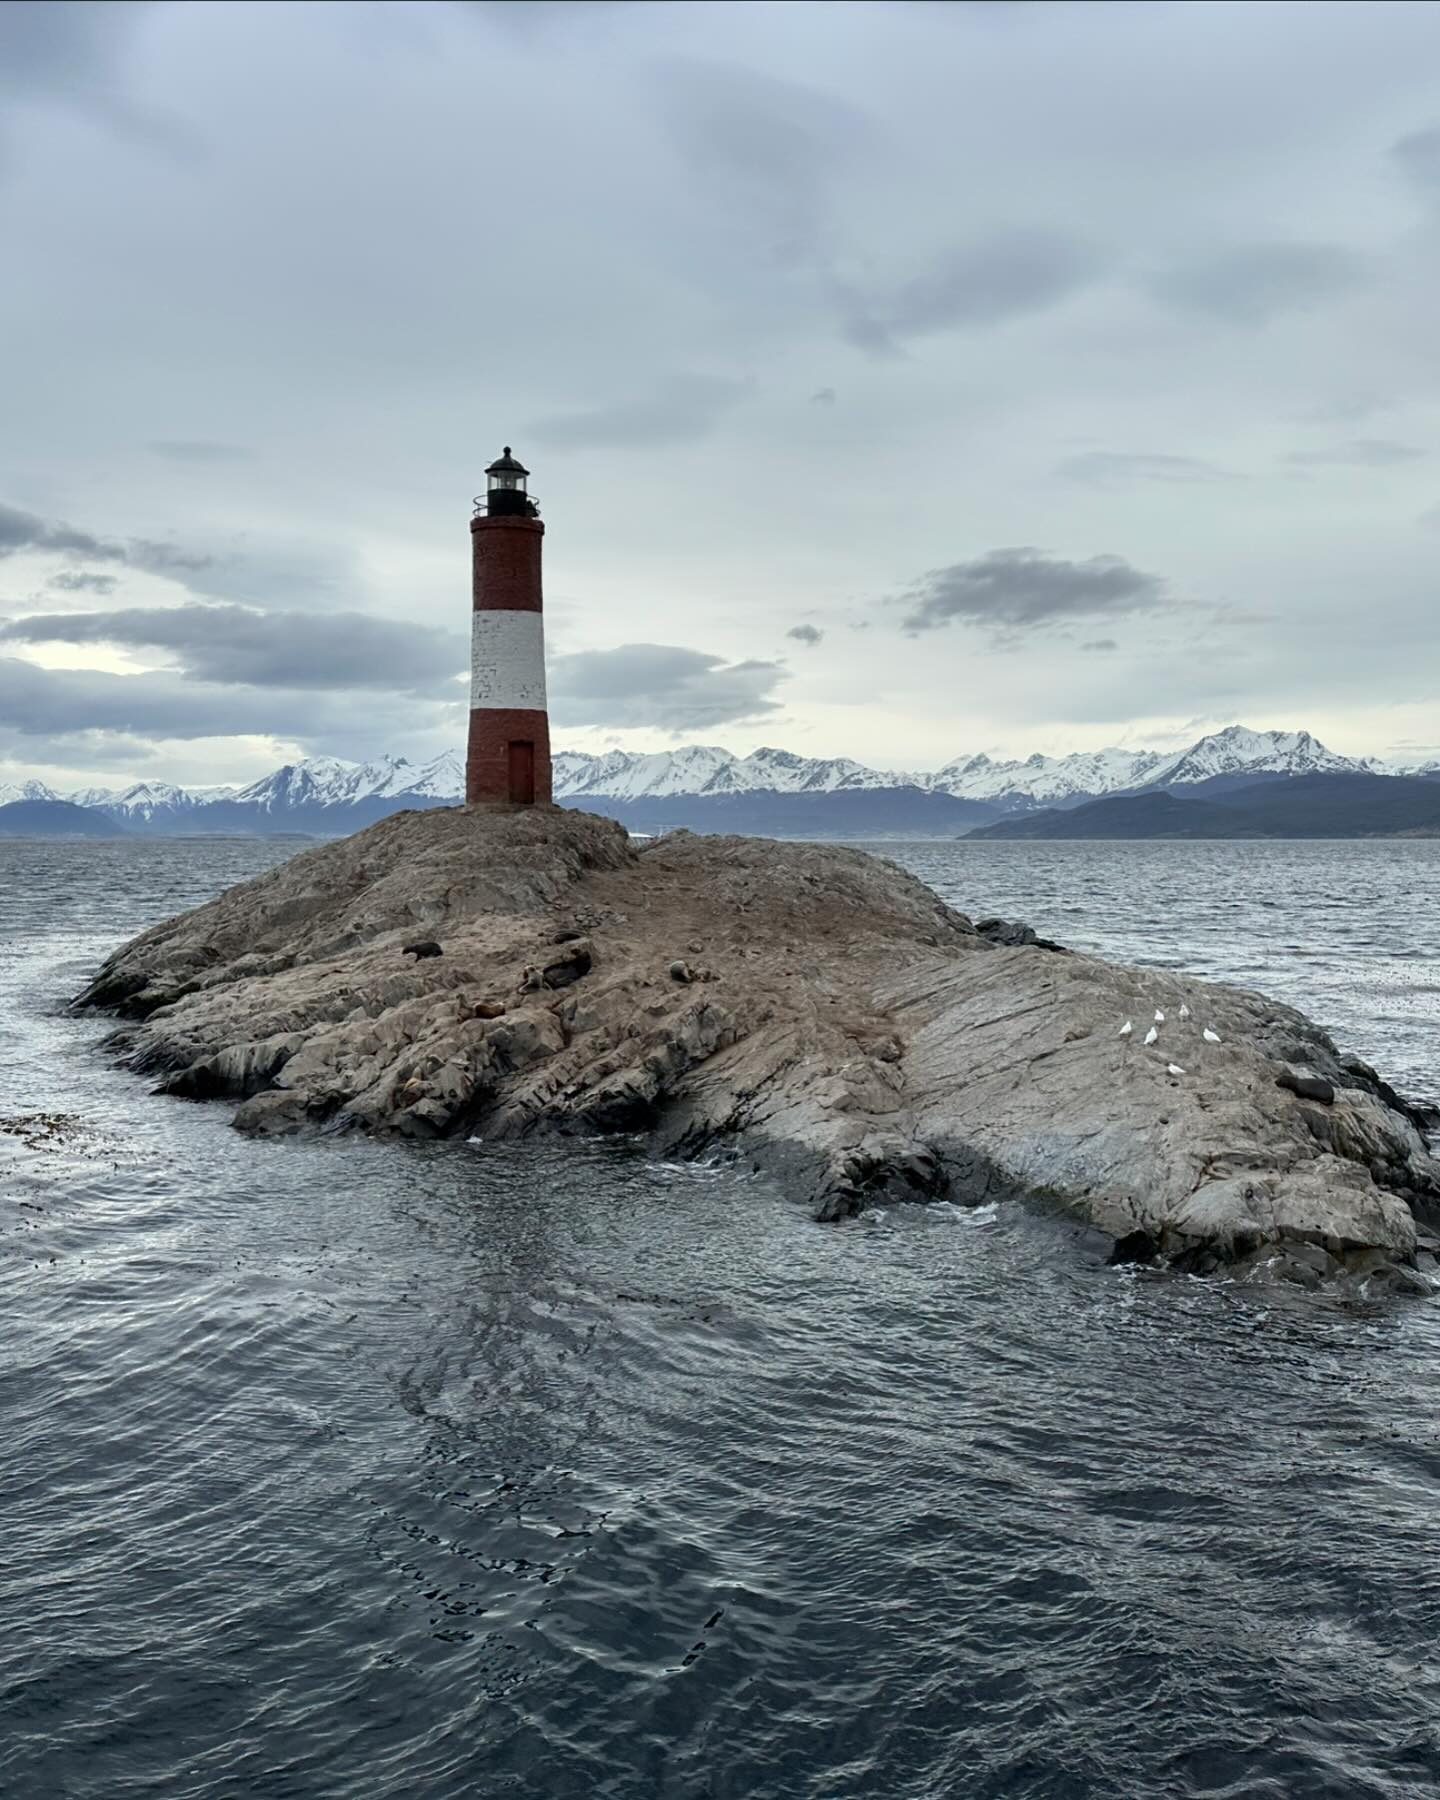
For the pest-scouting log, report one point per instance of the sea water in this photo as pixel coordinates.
(397, 1472)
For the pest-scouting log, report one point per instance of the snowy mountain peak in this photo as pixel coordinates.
(1044, 780)
(12, 791)
(1237, 750)
(331, 781)
(705, 769)
(144, 800)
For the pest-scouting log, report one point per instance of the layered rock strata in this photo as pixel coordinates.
(814, 1008)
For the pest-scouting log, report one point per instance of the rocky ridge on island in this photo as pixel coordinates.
(495, 973)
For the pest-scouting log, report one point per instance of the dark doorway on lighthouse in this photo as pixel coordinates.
(522, 774)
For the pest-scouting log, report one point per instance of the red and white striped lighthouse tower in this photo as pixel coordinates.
(508, 758)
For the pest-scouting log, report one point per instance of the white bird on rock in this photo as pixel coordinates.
(1151, 1035)
(1184, 1010)
(1126, 1029)
(1173, 1069)
(1210, 1037)
(1159, 1016)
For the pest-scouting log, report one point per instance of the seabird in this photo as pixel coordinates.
(1151, 1035)
(1173, 1069)
(1126, 1029)
(1184, 1010)
(1210, 1037)
(1159, 1016)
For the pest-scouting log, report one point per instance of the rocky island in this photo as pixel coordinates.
(496, 972)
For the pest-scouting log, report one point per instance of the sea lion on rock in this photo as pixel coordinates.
(573, 962)
(428, 947)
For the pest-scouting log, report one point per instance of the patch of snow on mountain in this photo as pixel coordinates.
(1237, 750)
(319, 781)
(636, 775)
(782, 771)
(326, 781)
(705, 769)
(11, 791)
(1046, 779)
(143, 801)
(442, 779)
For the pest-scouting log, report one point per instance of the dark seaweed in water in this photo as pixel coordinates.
(346, 1469)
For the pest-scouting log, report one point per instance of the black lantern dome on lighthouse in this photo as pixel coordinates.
(505, 481)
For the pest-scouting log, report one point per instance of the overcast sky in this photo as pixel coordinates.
(898, 380)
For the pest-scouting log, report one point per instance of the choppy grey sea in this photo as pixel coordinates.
(344, 1469)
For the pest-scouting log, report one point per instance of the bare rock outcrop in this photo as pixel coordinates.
(812, 1007)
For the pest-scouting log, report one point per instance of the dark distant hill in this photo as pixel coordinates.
(1341, 806)
(1305, 806)
(863, 812)
(1122, 816)
(55, 818)
(1217, 787)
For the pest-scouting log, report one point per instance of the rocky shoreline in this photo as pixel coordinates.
(496, 973)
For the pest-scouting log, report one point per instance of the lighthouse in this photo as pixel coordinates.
(508, 757)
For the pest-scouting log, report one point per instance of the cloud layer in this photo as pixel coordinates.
(238, 644)
(782, 305)
(1022, 590)
(661, 686)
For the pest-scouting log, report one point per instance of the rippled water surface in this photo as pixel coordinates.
(347, 1469)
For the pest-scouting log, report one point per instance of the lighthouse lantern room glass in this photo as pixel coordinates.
(505, 490)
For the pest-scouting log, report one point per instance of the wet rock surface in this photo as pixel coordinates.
(846, 1030)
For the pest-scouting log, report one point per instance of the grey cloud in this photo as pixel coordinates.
(805, 634)
(1418, 155)
(199, 450)
(158, 558)
(678, 411)
(1100, 645)
(82, 581)
(72, 54)
(56, 50)
(237, 645)
(20, 531)
(526, 15)
(1254, 283)
(37, 702)
(250, 574)
(1103, 468)
(780, 152)
(975, 285)
(774, 149)
(78, 750)
(662, 686)
(1359, 453)
(1011, 590)
(260, 575)
(823, 397)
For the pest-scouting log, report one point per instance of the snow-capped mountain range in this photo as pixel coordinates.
(328, 794)
(1039, 780)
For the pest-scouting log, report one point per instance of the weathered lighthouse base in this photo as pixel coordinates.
(813, 1008)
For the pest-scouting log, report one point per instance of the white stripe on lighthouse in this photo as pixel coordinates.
(507, 660)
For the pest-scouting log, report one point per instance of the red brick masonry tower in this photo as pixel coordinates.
(509, 752)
